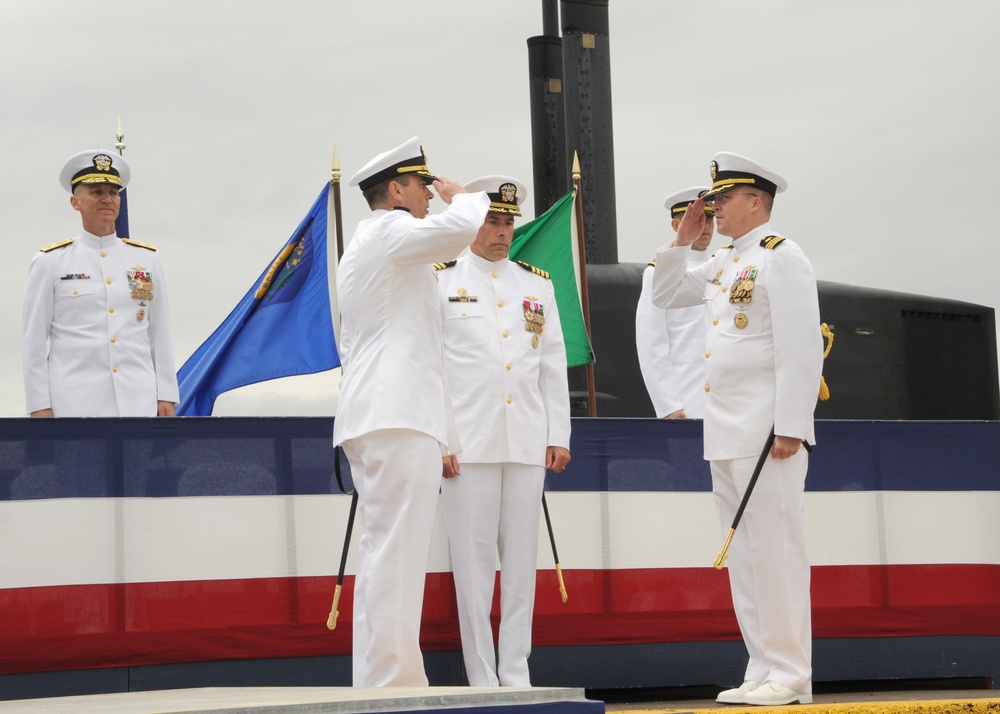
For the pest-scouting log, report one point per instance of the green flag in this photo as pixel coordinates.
(548, 242)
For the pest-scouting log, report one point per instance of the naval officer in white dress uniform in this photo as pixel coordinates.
(671, 343)
(394, 415)
(96, 332)
(763, 360)
(507, 373)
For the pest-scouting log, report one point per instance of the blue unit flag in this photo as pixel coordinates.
(280, 328)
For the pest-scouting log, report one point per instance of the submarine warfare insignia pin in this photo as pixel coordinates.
(462, 296)
(743, 284)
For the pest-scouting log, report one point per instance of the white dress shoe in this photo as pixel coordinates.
(735, 696)
(771, 693)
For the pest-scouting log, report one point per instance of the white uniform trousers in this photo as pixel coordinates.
(491, 509)
(397, 473)
(769, 567)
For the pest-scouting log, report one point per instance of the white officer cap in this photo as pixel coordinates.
(677, 202)
(730, 170)
(407, 158)
(94, 166)
(506, 193)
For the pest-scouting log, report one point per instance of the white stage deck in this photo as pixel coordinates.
(314, 700)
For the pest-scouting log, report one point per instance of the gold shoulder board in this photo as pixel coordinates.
(444, 266)
(652, 264)
(60, 244)
(533, 269)
(771, 242)
(137, 244)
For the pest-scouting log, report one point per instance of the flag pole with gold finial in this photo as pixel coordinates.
(334, 230)
(121, 222)
(335, 224)
(582, 269)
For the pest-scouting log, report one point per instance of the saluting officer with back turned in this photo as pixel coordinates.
(394, 416)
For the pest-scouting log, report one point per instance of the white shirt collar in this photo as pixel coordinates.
(752, 238)
(98, 242)
(487, 265)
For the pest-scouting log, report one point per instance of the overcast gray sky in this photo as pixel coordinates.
(882, 115)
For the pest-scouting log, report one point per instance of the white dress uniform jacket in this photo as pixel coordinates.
(763, 356)
(671, 349)
(94, 345)
(390, 341)
(507, 373)
(508, 385)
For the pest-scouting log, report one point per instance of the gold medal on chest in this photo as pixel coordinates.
(743, 284)
(740, 321)
(534, 318)
(140, 282)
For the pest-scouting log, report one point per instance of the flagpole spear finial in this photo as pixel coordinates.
(335, 168)
(338, 223)
(584, 293)
(120, 136)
